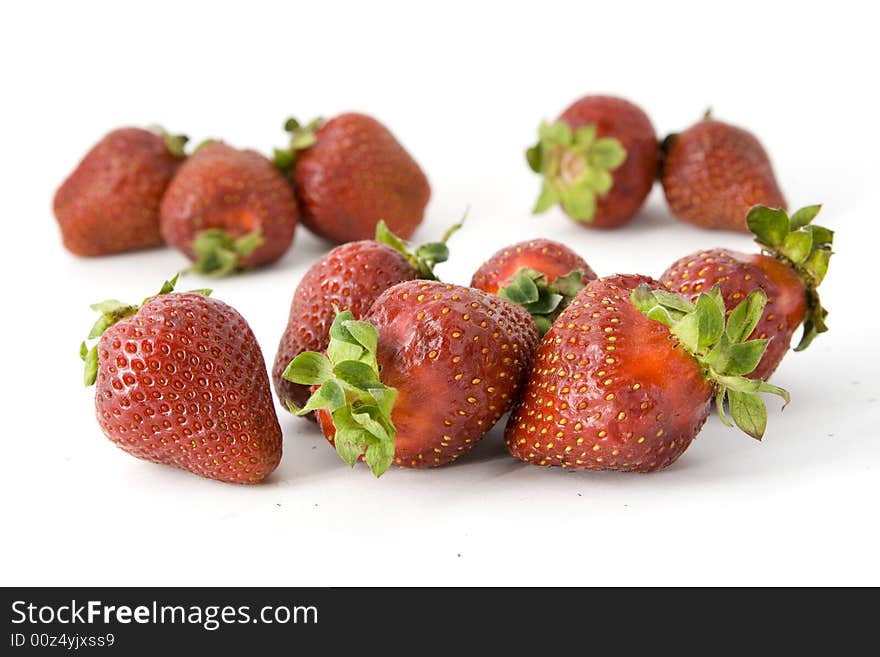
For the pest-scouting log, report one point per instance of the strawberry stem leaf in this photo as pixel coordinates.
(348, 386)
(202, 144)
(309, 368)
(544, 301)
(218, 253)
(302, 137)
(720, 395)
(661, 306)
(426, 256)
(176, 144)
(167, 286)
(111, 312)
(803, 246)
(748, 412)
(722, 348)
(90, 358)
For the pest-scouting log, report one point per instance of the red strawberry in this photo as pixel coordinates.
(714, 172)
(794, 263)
(624, 378)
(110, 203)
(349, 278)
(351, 172)
(598, 161)
(451, 361)
(181, 381)
(541, 275)
(228, 209)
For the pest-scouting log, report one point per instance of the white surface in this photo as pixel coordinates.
(463, 87)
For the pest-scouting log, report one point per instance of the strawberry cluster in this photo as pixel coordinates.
(397, 367)
(228, 209)
(599, 159)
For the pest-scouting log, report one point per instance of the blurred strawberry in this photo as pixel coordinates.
(713, 173)
(110, 203)
(350, 172)
(228, 209)
(598, 161)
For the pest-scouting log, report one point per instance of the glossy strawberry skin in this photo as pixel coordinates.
(110, 203)
(714, 173)
(239, 191)
(350, 277)
(609, 389)
(355, 174)
(739, 274)
(183, 382)
(456, 356)
(542, 255)
(633, 180)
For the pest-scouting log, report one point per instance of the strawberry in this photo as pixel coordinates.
(228, 209)
(713, 173)
(349, 278)
(181, 381)
(624, 378)
(598, 161)
(349, 173)
(789, 271)
(110, 203)
(541, 275)
(421, 380)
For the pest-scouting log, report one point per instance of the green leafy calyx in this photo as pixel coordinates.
(302, 136)
(425, 257)
(111, 311)
(176, 144)
(576, 167)
(721, 347)
(803, 246)
(347, 385)
(544, 301)
(220, 254)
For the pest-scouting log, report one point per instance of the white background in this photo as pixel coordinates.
(464, 86)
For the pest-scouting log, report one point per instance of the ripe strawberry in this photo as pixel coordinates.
(541, 275)
(713, 172)
(451, 361)
(181, 381)
(598, 161)
(794, 263)
(349, 173)
(349, 278)
(228, 209)
(624, 378)
(110, 203)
